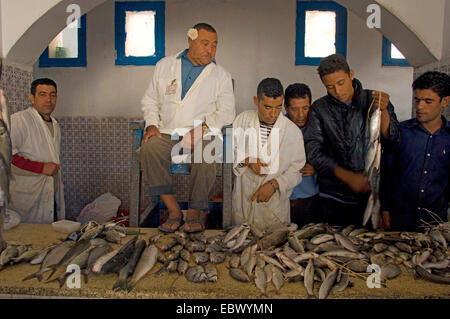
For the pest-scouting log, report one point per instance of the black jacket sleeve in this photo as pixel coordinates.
(315, 144)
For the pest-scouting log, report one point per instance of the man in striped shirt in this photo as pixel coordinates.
(268, 156)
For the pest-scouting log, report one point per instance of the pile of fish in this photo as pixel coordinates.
(90, 249)
(329, 256)
(323, 257)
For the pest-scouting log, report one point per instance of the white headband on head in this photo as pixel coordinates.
(192, 33)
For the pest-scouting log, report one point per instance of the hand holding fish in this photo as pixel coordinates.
(381, 99)
(149, 132)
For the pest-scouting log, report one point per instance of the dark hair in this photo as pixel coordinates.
(296, 91)
(270, 87)
(333, 63)
(437, 81)
(204, 26)
(44, 81)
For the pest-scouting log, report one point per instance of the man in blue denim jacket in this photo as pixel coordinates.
(297, 101)
(416, 171)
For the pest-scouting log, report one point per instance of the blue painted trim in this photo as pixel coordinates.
(160, 51)
(341, 29)
(387, 60)
(46, 62)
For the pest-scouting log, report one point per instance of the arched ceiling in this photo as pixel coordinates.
(30, 46)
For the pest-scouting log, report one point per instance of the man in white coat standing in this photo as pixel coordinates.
(36, 186)
(189, 95)
(268, 156)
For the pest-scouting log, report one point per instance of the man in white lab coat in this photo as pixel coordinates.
(268, 156)
(188, 90)
(36, 186)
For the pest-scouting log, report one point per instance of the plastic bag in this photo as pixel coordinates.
(101, 210)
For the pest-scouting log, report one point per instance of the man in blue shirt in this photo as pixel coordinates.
(297, 101)
(416, 170)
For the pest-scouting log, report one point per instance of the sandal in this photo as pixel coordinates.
(171, 221)
(195, 221)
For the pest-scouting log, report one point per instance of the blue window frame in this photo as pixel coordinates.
(387, 59)
(46, 62)
(341, 29)
(121, 36)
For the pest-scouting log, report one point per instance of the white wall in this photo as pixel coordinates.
(17, 16)
(256, 40)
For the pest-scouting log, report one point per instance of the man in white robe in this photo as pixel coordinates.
(268, 156)
(36, 185)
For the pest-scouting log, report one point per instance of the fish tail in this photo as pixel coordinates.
(120, 285)
(34, 275)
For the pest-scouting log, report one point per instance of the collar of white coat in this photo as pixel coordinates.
(184, 54)
(176, 71)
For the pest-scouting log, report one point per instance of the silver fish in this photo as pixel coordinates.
(390, 271)
(251, 263)
(211, 273)
(196, 274)
(321, 238)
(173, 266)
(327, 284)
(144, 265)
(268, 271)
(241, 238)
(185, 255)
(128, 270)
(277, 278)
(234, 232)
(296, 244)
(404, 247)
(217, 257)
(345, 243)
(40, 257)
(96, 268)
(201, 257)
(53, 257)
(380, 247)
(94, 255)
(342, 284)
(260, 280)
(27, 256)
(234, 261)
(182, 267)
(347, 230)
(344, 253)
(195, 246)
(239, 275)
(309, 279)
(309, 231)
